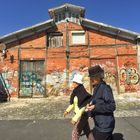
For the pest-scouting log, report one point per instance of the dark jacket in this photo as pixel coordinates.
(104, 106)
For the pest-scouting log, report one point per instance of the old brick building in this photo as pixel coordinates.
(43, 58)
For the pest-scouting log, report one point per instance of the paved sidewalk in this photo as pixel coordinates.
(53, 108)
(126, 129)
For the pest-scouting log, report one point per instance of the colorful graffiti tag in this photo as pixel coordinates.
(31, 83)
(129, 78)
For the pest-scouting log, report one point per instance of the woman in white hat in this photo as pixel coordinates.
(78, 101)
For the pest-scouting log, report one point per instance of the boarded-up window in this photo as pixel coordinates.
(78, 37)
(55, 40)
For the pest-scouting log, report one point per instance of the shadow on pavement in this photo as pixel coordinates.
(118, 136)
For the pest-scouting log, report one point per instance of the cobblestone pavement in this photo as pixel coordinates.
(53, 107)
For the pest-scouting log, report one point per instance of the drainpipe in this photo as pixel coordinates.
(117, 68)
(89, 54)
(19, 71)
(67, 53)
(138, 53)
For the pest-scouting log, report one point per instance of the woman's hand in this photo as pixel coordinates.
(65, 113)
(86, 110)
(90, 107)
(73, 122)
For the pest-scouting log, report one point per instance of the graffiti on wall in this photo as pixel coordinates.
(8, 75)
(31, 83)
(129, 78)
(56, 81)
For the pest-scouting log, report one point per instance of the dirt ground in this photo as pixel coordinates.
(53, 107)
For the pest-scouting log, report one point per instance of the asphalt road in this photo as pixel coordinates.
(126, 129)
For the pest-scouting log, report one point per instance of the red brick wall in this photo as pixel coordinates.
(34, 48)
(34, 41)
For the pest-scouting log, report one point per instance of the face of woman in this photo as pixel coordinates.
(74, 85)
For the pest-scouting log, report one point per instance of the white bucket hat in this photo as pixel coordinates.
(78, 78)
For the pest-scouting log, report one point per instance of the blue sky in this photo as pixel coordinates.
(18, 14)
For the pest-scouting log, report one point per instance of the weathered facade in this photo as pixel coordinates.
(42, 59)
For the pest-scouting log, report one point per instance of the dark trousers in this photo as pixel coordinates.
(102, 135)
